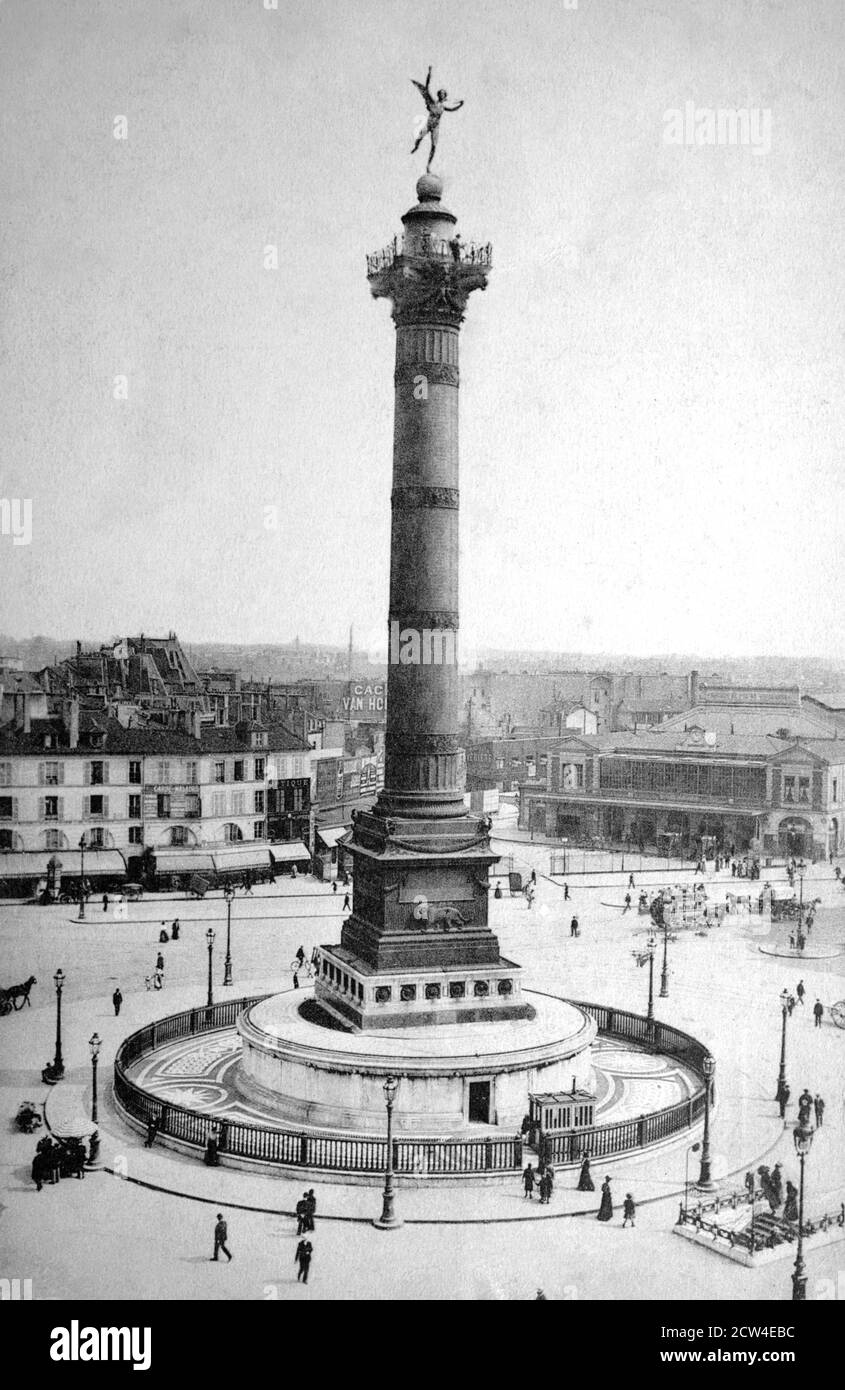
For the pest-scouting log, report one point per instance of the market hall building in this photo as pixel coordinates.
(681, 792)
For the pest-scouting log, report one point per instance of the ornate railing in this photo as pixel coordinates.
(414, 1156)
(436, 248)
(763, 1232)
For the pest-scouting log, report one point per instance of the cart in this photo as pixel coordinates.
(515, 881)
(198, 886)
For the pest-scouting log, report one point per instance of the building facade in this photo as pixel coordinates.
(682, 792)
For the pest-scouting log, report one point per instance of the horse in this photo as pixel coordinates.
(9, 997)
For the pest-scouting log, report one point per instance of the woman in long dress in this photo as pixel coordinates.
(606, 1208)
(585, 1180)
(790, 1211)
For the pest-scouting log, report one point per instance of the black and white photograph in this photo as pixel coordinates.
(422, 668)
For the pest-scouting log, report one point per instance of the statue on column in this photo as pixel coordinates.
(435, 111)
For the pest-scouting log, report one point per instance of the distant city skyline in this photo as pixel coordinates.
(198, 387)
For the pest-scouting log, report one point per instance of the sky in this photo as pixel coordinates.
(651, 386)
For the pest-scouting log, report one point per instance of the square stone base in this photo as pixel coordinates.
(365, 998)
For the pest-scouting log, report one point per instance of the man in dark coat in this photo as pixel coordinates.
(783, 1100)
(573, 927)
(805, 1105)
(528, 1180)
(304, 1251)
(301, 1213)
(629, 1209)
(221, 1235)
(800, 991)
(117, 1000)
(818, 1013)
(311, 1209)
(818, 1106)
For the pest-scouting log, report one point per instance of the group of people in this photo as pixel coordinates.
(305, 1210)
(543, 1178)
(54, 1159)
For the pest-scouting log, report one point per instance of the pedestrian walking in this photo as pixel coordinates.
(304, 1251)
(818, 1106)
(534, 877)
(159, 961)
(818, 1013)
(497, 891)
(566, 892)
(117, 1000)
(221, 1235)
(631, 883)
(152, 1131)
(296, 979)
(749, 1184)
(629, 1209)
(800, 991)
(777, 1184)
(174, 930)
(105, 902)
(300, 956)
(605, 1212)
(334, 885)
(585, 1178)
(627, 907)
(529, 1177)
(790, 1210)
(158, 979)
(148, 981)
(805, 1105)
(790, 1004)
(301, 1212)
(543, 1186)
(783, 1100)
(347, 907)
(573, 927)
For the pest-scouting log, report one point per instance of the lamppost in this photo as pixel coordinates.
(692, 1149)
(652, 946)
(708, 1066)
(55, 1070)
(82, 879)
(388, 1221)
(228, 893)
(784, 1004)
(803, 1138)
(95, 1044)
(664, 974)
(209, 936)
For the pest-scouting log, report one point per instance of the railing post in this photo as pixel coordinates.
(303, 1150)
(488, 1152)
(641, 1124)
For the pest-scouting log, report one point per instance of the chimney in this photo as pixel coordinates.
(73, 722)
(693, 687)
(78, 647)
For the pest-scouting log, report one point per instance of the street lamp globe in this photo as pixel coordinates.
(708, 1066)
(784, 999)
(95, 1044)
(209, 936)
(228, 892)
(391, 1086)
(59, 978)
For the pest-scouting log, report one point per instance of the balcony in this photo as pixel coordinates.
(465, 253)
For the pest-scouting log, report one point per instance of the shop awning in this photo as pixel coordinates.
(331, 835)
(183, 861)
(33, 864)
(238, 858)
(288, 852)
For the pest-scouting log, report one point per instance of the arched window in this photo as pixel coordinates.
(232, 832)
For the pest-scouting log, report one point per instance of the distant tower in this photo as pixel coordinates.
(417, 948)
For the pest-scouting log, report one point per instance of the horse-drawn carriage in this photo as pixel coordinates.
(15, 997)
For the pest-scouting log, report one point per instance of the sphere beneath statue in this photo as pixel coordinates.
(429, 188)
